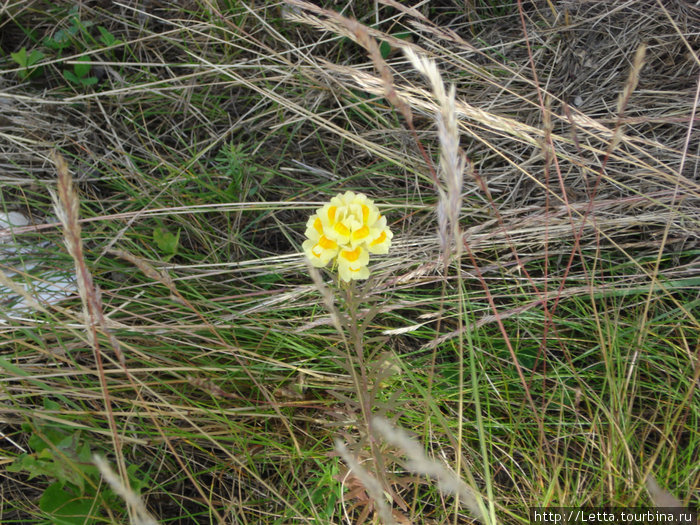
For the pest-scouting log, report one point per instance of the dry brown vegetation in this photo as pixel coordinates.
(535, 325)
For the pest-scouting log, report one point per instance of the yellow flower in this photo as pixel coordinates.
(346, 231)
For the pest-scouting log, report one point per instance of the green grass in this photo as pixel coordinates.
(549, 364)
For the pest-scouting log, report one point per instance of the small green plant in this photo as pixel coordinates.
(67, 37)
(60, 455)
(76, 494)
(233, 161)
(319, 493)
(107, 38)
(166, 241)
(27, 61)
(78, 37)
(80, 76)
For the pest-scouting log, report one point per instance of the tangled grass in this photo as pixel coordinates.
(533, 330)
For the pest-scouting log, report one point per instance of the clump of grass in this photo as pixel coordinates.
(549, 353)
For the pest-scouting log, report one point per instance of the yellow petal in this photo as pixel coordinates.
(351, 255)
(341, 229)
(317, 254)
(350, 274)
(382, 242)
(327, 244)
(359, 235)
(379, 240)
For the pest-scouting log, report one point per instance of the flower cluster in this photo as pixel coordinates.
(346, 231)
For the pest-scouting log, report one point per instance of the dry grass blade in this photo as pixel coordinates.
(66, 206)
(661, 497)
(21, 291)
(362, 35)
(447, 481)
(630, 86)
(373, 487)
(452, 159)
(140, 516)
(147, 269)
(211, 132)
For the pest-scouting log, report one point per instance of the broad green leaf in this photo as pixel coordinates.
(136, 483)
(50, 404)
(44, 464)
(71, 77)
(43, 436)
(83, 68)
(88, 81)
(107, 38)
(65, 507)
(385, 49)
(34, 57)
(166, 241)
(62, 38)
(20, 57)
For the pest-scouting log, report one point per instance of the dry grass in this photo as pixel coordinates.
(535, 325)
